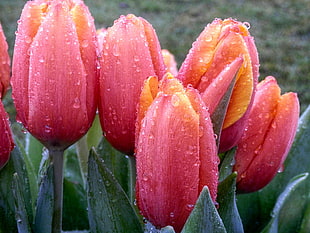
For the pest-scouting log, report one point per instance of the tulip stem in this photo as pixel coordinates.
(132, 182)
(57, 160)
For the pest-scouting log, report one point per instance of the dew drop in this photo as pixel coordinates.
(115, 50)
(175, 101)
(84, 43)
(76, 103)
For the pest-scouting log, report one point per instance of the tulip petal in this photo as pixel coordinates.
(6, 145)
(154, 47)
(29, 23)
(199, 59)
(88, 47)
(170, 62)
(4, 65)
(212, 95)
(148, 94)
(261, 116)
(209, 160)
(50, 78)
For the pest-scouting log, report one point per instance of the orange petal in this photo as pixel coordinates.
(200, 57)
(213, 94)
(148, 94)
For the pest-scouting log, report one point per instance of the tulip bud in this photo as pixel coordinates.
(268, 136)
(176, 153)
(217, 47)
(131, 53)
(6, 141)
(170, 62)
(55, 71)
(4, 65)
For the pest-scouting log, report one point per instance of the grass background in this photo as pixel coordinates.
(281, 29)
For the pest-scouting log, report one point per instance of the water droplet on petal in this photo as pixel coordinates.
(84, 43)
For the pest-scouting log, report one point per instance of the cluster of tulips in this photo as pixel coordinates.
(63, 70)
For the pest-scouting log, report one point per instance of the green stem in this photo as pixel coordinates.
(132, 181)
(57, 160)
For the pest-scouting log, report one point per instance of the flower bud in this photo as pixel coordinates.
(4, 65)
(216, 48)
(170, 62)
(131, 53)
(176, 153)
(55, 71)
(268, 136)
(6, 141)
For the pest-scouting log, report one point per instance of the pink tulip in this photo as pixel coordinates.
(55, 71)
(268, 136)
(131, 53)
(170, 62)
(211, 65)
(175, 151)
(4, 65)
(6, 141)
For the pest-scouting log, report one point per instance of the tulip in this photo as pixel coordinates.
(268, 136)
(170, 62)
(55, 71)
(6, 141)
(176, 152)
(131, 53)
(218, 47)
(4, 65)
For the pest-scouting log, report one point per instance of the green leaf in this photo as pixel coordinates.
(227, 205)
(204, 217)
(20, 207)
(285, 208)
(17, 165)
(119, 164)
(34, 150)
(227, 164)
(109, 209)
(255, 208)
(74, 207)
(45, 203)
(31, 172)
(305, 225)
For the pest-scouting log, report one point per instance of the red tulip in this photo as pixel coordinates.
(55, 71)
(222, 43)
(176, 153)
(131, 53)
(6, 141)
(268, 136)
(4, 64)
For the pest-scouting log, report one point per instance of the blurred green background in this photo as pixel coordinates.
(281, 29)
